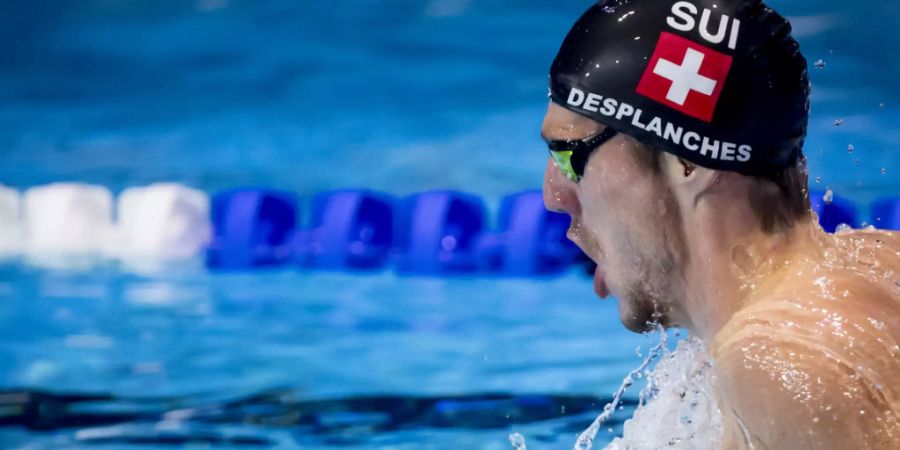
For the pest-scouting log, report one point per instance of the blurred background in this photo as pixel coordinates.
(396, 96)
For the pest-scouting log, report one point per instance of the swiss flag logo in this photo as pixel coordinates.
(686, 76)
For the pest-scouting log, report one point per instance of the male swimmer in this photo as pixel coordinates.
(675, 130)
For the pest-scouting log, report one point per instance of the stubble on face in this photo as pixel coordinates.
(647, 270)
(646, 298)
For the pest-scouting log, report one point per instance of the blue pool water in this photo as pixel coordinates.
(397, 95)
(192, 339)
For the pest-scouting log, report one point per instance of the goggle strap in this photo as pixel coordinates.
(580, 158)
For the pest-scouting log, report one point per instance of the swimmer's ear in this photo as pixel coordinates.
(687, 177)
(688, 167)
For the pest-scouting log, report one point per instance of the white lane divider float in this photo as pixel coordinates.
(162, 221)
(65, 225)
(10, 222)
(67, 219)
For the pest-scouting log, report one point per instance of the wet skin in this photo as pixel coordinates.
(811, 360)
(803, 326)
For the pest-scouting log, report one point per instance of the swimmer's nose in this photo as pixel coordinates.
(560, 193)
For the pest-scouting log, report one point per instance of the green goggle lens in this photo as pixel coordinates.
(563, 160)
(572, 156)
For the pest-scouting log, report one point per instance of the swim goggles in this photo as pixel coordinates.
(572, 156)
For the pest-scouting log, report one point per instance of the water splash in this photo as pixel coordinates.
(681, 410)
(517, 441)
(612, 5)
(677, 406)
(586, 438)
(843, 228)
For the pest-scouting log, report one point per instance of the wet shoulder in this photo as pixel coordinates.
(872, 247)
(809, 379)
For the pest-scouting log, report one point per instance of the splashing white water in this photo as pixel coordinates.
(681, 409)
(517, 441)
(586, 438)
(677, 407)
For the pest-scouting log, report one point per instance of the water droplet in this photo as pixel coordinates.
(818, 180)
(856, 162)
(517, 441)
(850, 148)
(820, 64)
(843, 228)
(881, 105)
(838, 122)
(828, 197)
(625, 16)
(883, 170)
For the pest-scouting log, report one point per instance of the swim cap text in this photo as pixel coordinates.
(683, 19)
(690, 140)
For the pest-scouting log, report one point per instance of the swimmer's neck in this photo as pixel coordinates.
(728, 259)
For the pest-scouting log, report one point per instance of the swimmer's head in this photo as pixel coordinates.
(708, 97)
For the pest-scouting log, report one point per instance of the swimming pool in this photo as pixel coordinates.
(398, 96)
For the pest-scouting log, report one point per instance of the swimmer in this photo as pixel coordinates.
(675, 130)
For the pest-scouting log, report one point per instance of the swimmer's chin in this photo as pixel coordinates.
(641, 320)
(636, 326)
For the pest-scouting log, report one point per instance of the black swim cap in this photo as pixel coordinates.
(720, 83)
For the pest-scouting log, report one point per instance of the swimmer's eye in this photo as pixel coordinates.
(572, 156)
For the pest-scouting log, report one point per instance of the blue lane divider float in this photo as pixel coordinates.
(437, 232)
(531, 239)
(886, 213)
(349, 230)
(251, 228)
(834, 212)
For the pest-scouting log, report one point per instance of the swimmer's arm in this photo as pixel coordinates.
(781, 394)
